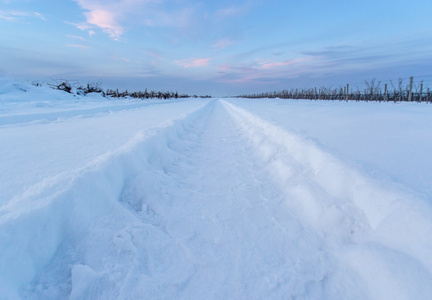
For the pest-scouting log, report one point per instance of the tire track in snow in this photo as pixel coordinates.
(218, 205)
(320, 189)
(202, 220)
(226, 214)
(44, 230)
(376, 233)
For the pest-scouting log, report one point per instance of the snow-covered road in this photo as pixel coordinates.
(198, 199)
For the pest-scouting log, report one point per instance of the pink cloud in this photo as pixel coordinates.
(193, 62)
(105, 20)
(112, 16)
(262, 71)
(104, 14)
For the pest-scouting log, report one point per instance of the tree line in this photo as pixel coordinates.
(96, 87)
(373, 91)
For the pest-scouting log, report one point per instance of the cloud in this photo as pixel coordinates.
(121, 58)
(258, 71)
(76, 37)
(84, 27)
(115, 16)
(320, 62)
(281, 64)
(79, 46)
(193, 62)
(81, 26)
(106, 20)
(314, 62)
(13, 16)
(223, 43)
(362, 56)
(333, 51)
(105, 15)
(40, 16)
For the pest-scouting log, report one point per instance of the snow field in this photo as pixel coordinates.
(153, 249)
(222, 210)
(379, 234)
(192, 200)
(39, 151)
(390, 142)
(60, 210)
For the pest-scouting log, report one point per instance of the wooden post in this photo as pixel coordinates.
(385, 92)
(410, 89)
(347, 92)
(421, 92)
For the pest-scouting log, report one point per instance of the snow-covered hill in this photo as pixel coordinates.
(215, 199)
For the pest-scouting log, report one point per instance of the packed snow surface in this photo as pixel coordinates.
(212, 199)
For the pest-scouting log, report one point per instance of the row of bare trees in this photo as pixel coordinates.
(144, 95)
(96, 87)
(373, 91)
(149, 95)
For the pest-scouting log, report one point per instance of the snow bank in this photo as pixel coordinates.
(60, 212)
(21, 104)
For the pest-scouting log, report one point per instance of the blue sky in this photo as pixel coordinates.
(215, 47)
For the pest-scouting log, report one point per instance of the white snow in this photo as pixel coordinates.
(217, 199)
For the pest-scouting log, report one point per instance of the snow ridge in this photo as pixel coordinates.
(59, 211)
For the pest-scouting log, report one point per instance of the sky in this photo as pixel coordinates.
(220, 48)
